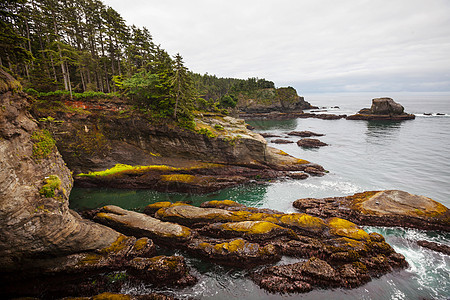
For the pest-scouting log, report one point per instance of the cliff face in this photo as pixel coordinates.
(97, 135)
(270, 100)
(35, 221)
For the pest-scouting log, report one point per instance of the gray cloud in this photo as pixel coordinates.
(348, 45)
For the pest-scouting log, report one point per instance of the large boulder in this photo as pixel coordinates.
(382, 109)
(381, 208)
(386, 106)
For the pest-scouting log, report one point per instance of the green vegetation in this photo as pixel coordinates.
(122, 168)
(83, 49)
(219, 127)
(207, 132)
(52, 183)
(43, 144)
(67, 94)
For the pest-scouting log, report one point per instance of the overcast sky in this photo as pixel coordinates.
(314, 45)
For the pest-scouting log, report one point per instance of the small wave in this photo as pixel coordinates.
(430, 269)
(431, 115)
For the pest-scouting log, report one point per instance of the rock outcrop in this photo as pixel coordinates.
(333, 252)
(39, 234)
(381, 208)
(275, 115)
(382, 109)
(310, 143)
(109, 143)
(268, 100)
(304, 133)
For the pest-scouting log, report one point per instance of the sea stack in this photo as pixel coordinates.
(383, 109)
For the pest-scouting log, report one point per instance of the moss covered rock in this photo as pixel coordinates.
(381, 208)
(142, 225)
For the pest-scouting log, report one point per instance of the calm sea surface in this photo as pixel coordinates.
(413, 156)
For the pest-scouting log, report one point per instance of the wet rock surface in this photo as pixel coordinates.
(281, 141)
(289, 115)
(435, 246)
(304, 133)
(311, 143)
(381, 208)
(382, 109)
(333, 252)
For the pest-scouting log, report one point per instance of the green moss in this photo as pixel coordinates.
(348, 229)
(43, 144)
(231, 140)
(219, 127)
(128, 169)
(52, 183)
(207, 132)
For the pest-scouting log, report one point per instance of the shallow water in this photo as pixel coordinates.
(412, 155)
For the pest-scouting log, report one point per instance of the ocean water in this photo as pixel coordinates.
(413, 156)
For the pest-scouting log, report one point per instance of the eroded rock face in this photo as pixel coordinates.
(141, 225)
(269, 100)
(35, 220)
(219, 152)
(43, 243)
(386, 106)
(381, 208)
(382, 109)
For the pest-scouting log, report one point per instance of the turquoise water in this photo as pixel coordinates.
(412, 155)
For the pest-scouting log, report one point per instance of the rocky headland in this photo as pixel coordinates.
(50, 251)
(383, 109)
(381, 208)
(108, 143)
(269, 100)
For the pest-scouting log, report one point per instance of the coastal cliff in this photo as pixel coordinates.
(284, 99)
(39, 234)
(108, 142)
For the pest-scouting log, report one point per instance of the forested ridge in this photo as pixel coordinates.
(83, 46)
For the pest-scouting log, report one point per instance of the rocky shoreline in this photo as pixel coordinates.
(49, 251)
(336, 252)
(381, 208)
